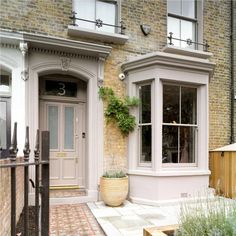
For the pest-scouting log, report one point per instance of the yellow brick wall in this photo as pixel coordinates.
(51, 17)
(5, 197)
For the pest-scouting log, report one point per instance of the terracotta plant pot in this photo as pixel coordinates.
(114, 190)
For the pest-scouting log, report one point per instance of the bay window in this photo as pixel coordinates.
(103, 11)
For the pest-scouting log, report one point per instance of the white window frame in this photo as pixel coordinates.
(117, 18)
(198, 19)
(145, 164)
(179, 165)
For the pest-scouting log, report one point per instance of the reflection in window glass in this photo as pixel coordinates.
(187, 32)
(179, 134)
(171, 104)
(4, 83)
(69, 128)
(146, 140)
(145, 126)
(106, 12)
(174, 7)
(3, 125)
(188, 8)
(53, 126)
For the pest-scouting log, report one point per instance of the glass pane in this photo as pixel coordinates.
(146, 143)
(53, 126)
(188, 105)
(187, 144)
(3, 125)
(171, 104)
(106, 12)
(145, 106)
(188, 8)
(60, 88)
(69, 128)
(174, 27)
(170, 144)
(85, 10)
(187, 32)
(174, 6)
(4, 83)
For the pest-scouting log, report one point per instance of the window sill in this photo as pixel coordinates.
(187, 52)
(174, 172)
(98, 35)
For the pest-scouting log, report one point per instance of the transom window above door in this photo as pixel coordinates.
(100, 11)
(182, 22)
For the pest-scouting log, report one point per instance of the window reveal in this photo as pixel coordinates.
(179, 124)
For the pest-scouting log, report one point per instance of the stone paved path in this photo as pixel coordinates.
(73, 220)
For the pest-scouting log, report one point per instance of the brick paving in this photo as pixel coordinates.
(73, 220)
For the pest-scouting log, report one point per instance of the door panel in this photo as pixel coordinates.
(64, 121)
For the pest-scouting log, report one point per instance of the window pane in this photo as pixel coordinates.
(170, 144)
(174, 6)
(146, 143)
(106, 12)
(171, 104)
(174, 27)
(187, 32)
(188, 8)
(3, 125)
(187, 144)
(4, 83)
(53, 126)
(145, 106)
(188, 105)
(69, 128)
(86, 10)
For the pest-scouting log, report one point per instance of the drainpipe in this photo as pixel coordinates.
(232, 72)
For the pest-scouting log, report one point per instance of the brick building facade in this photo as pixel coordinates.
(53, 48)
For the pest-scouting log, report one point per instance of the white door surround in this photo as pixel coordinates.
(41, 64)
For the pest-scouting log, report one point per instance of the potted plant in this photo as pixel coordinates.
(114, 184)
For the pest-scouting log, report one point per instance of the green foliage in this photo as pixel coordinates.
(118, 109)
(119, 174)
(208, 218)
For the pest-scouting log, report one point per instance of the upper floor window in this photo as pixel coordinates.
(182, 22)
(103, 11)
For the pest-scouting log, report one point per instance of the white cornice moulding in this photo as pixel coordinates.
(55, 43)
(168, 60)
(98, 35)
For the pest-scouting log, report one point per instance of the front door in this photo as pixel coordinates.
(65, 124)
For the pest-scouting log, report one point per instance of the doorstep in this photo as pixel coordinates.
(130, 219)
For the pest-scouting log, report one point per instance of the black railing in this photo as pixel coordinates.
(41, 186)
(98, 22)
(189, 42)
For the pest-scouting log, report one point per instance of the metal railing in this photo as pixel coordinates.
(98, 22)
(189, 42)
(41, 186)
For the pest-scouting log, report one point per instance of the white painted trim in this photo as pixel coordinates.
(171, 172)
(56, 43)
(98, 35)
